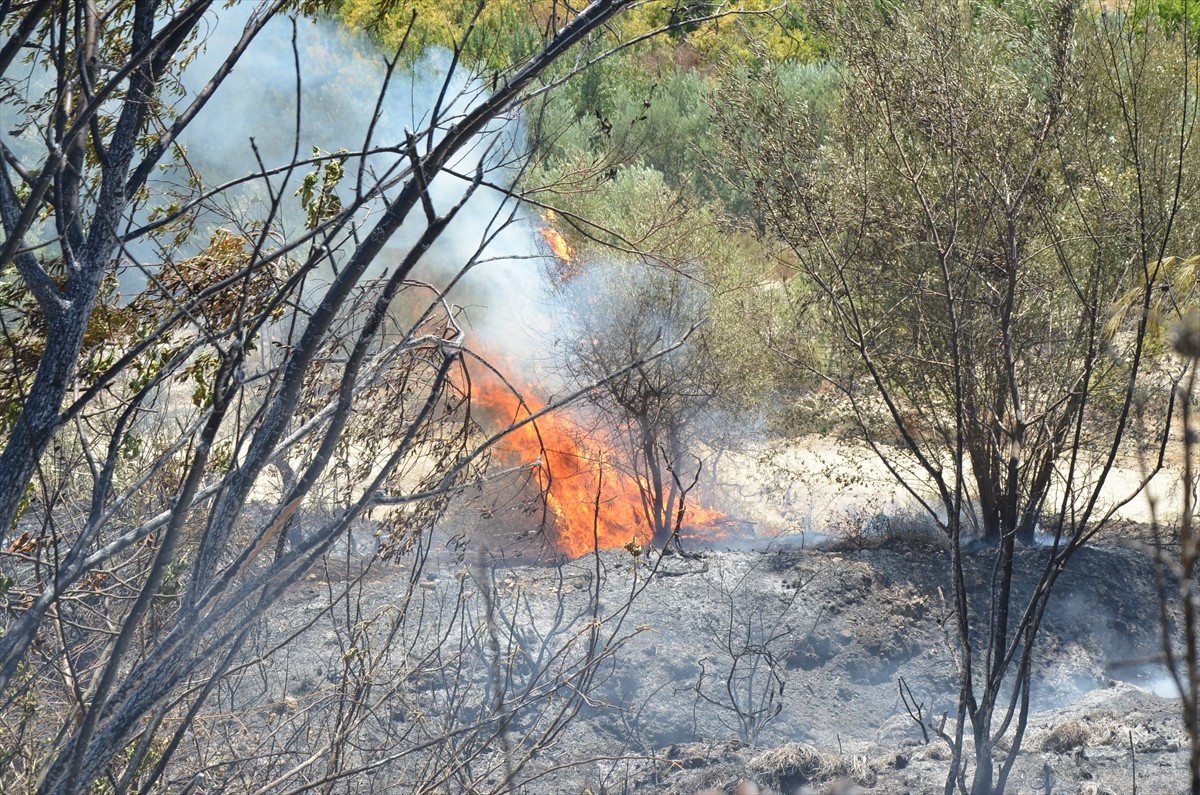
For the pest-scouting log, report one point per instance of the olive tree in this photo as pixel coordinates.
(979, 222)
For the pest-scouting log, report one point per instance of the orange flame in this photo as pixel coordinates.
(558, 244)
(595, 505)
(563, 250)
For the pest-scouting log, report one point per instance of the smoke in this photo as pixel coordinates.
(305, 85)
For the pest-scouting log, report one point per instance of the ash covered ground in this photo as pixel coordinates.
(781, 666)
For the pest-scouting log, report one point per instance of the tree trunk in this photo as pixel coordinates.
(982, 780)
(39, 418)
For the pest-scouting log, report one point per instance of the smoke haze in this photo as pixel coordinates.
(338, 84)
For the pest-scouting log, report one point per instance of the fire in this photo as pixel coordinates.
(559, 245)
(595, 505)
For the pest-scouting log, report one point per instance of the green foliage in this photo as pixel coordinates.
(650, 107)
(1175, 291)
(636, 210)
(505, 31)
(757, 31)
(116, 325)
(986, 217)
(963, 188)
(23, 338)
(502, 32)
(993, 184)
(318, 189)
(637, 217)
(1173, 15)
(795, 105)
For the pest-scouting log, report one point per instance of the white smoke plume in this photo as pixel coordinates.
(336, 77)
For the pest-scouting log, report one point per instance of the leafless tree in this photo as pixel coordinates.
(1177, 556)
(655, 413)
(742, 680)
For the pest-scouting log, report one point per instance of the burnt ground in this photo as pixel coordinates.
(781, 666)
(865, 618)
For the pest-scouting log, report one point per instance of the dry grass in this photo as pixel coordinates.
(1066, 737)
(793, 759)
(1092, 788)
(795, 764)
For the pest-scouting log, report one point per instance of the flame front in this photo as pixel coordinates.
(562, 250)
(595, 505)
(558, 244)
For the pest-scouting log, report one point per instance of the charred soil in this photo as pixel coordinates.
(864, 619)
(782, 666)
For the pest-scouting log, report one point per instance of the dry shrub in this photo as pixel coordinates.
(936, 752)
(860, 770)
(1092, 788)
(791, 760)
(796, 764)
(1066, 737)
(912, 527)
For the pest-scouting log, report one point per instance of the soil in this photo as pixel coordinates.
(781, 666)
(865, 619)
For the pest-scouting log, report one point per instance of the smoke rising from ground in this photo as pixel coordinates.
(336, 77)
